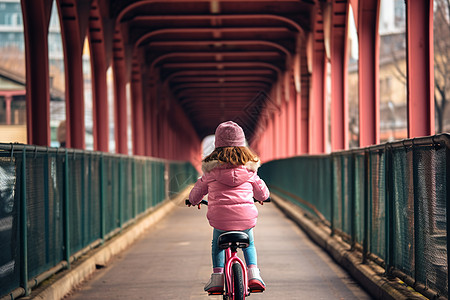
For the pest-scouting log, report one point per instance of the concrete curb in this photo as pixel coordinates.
(59, 286)
(369, 275)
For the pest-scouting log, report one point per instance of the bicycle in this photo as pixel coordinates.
(235, 271)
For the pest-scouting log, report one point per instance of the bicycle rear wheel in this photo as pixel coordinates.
(238, 282)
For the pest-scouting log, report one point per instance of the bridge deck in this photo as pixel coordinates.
(172, 261)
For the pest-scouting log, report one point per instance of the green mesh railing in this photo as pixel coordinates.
(389, 200)
(56, 202)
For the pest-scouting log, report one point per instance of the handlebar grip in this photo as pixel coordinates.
(204, 202)
(267, 200)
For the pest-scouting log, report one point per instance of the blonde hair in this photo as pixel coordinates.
(236, 156)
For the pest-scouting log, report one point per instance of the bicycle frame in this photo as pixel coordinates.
(231, 258)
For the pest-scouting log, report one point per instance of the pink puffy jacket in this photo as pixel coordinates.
(230, 192)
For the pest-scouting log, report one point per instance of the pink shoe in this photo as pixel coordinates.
(215, 284)
(255, 282)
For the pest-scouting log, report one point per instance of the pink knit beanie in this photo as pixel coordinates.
(229, 134)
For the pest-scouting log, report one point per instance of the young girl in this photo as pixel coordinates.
(231, 182)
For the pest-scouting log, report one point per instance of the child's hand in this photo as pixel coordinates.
(188, 203)
(198, 205)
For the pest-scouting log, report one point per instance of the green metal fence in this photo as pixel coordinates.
(56, 203)
(389, 200)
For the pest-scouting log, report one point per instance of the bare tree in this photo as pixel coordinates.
(441, 60)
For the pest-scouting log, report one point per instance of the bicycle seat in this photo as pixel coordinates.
(235, 239)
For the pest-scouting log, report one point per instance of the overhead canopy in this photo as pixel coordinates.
(221, 60)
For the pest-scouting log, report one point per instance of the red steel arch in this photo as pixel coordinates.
(191, 64)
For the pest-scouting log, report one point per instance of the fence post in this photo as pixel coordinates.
(146, 184)
(23, 226)
(351, 168)
(447, 171)
(366, 207)
(417, 252)
(120, 199)
(133, 184)
(332, 198)
(66, 210)
(102, 200)
(343, 191)
(46, 206)
(389, 219)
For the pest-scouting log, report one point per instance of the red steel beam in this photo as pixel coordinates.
(339, 126)
(73, 49)
(137, 115)
(99, 82)
(183, 43)
(36, 17)
(120, 104)
(420, 68)
(369, 108)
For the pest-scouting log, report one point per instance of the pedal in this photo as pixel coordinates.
(256, 291)
(215, 293)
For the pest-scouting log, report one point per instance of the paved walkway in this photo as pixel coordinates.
(172, 261)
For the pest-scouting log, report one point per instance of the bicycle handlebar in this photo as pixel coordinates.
(204, 202)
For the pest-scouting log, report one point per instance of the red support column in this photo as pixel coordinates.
(36, 17)
(292, 138)
(339, 122)
(282, 129)
(148, 118)
(298, 123)
(317, 105)
(137, 116)
(120, 103)
(73, 50)
(272, 137)
(100, 98)
(419, 16)
(277, 134)
(369, 110)
(304, 119)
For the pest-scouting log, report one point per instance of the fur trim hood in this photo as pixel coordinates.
(211, 165)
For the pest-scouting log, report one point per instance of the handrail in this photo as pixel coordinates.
(373, 195)
(90, 196)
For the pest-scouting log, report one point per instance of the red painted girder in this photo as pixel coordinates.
(223, 65)
(99, 82)
(339, 58)
(217, 85)
(283, 19)
(137, 117)
(369, 112)
(36, 17)
(120, 104)
(198, 93)
(211, 100)
(73, 44)
(220, 43)
(222, 79)
(217, 73)
(165, 32)
(420, 68)
(216, 56)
